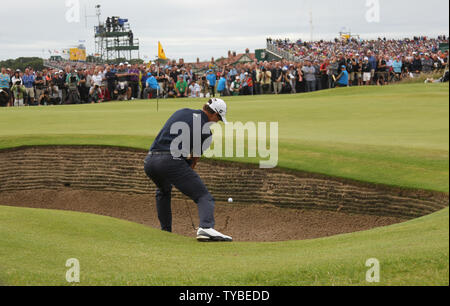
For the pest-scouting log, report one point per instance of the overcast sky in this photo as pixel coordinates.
(203, 28)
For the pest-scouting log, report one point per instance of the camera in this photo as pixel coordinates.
(73, 79)
(4, 98)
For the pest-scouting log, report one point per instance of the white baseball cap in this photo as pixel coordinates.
(220, 107)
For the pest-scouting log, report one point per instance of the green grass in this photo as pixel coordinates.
(37, 243)
(396, 135)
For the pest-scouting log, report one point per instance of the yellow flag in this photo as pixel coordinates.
(161, 53)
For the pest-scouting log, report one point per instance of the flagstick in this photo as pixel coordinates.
(161, 55)
(157, 90)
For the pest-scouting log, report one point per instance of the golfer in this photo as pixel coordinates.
(172, 163)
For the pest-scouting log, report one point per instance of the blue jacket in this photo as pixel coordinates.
(152, 83)
(397, 65)
(211, 79)
(344, 78)
(222, 84)
(28, 80)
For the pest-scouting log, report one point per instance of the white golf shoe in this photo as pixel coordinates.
(211, 235)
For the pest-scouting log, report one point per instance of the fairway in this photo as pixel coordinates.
(396, 135)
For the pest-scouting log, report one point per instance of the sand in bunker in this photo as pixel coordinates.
(260, 223)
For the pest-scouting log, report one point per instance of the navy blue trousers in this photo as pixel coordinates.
(166, 171)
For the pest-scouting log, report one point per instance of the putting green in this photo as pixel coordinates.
(395, 135)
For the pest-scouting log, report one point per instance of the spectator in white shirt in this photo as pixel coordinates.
(194, 90)
(97, 79)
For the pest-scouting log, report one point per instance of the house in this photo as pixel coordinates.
(232, 60)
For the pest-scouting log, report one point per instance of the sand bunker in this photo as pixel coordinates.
(270, 205)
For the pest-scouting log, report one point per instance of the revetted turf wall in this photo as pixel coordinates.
(121, 170)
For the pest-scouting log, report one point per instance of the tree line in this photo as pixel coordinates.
(23, 62)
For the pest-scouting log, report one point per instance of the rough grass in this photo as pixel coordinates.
(422, 78)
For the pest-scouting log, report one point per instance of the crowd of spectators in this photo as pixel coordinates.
(318, 65)
(367, 62)
(75, 84)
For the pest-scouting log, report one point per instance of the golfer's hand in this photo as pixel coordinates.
(194, 162)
